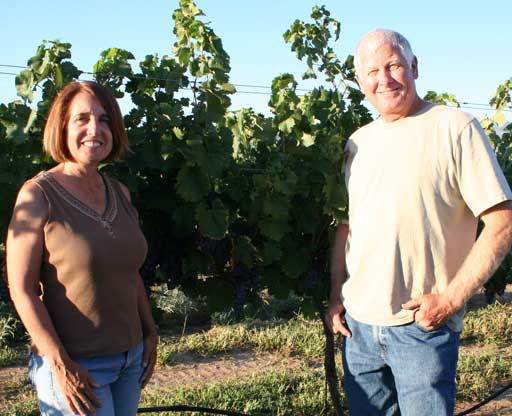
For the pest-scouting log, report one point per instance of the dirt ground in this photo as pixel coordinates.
(190, 370)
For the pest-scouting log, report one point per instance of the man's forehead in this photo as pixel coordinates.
(374, 41)
(368, 51)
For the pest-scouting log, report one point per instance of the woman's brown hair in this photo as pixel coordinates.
(55, 131)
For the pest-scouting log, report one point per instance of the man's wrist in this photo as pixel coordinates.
(454, 303)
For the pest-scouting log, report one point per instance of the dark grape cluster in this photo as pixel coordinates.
(170, 267)
(4, 291)
(218, 250)
(148, 269)
(245, 281)
(311, 281)
(496, 285)
(165, 254)
(315, 278)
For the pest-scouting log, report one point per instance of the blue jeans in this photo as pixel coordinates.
(399, 370)
(118, 376)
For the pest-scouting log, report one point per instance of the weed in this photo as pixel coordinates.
(297, 392)
(287, 337)
(479, 373)
(9, 356)
(11, 328)
(490, 326)
(276, 393)
(172, 309)
(18, 398)
(7, 328)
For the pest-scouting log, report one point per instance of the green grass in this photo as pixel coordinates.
(295, 336)
(10, 356)
(11, 328)
(17, 398)
(285, 392)
(479, 373)
(276, 393)
(12, 336)
(489, 326)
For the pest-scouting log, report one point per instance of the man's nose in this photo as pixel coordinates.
(385, 77)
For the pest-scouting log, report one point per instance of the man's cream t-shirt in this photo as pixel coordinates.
(416, 188)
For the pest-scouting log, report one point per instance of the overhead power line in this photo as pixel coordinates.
(15, 66)
(463, 104)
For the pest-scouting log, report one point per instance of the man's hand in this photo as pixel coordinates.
(76, 385)
(149, 358)
(334, 319)
(432, 311)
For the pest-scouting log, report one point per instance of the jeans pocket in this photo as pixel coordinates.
(442, 328)
(421, 328)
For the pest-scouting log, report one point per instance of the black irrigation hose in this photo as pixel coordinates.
(229, 413)
(188, 409)
(485, 401)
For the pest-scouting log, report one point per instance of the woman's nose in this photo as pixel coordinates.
(92, 127)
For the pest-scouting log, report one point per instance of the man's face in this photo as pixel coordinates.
(387, 80)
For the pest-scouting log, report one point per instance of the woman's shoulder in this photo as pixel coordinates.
(38, 179)
(35, 184)
(32, 201)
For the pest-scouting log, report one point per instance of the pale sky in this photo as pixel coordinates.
(463, 47)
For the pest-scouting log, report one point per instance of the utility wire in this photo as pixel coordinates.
(463, 104)
(15, 66)
(154, 78)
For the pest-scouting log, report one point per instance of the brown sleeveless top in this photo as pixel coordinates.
(90, 269)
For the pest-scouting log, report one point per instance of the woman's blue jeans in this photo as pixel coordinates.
(118, 376)
(399, 370)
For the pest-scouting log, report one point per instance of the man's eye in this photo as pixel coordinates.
(105, 119)
(372, 73)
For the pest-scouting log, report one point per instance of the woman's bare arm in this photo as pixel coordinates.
(25, 242)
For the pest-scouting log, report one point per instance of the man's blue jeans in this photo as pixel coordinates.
(118, 376)
(399, 370)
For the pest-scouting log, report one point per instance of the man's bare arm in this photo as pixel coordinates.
(486, 255)
(333, 316)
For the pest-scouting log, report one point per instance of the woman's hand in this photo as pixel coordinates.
(149, 358)
(76, 384)
(150, 335)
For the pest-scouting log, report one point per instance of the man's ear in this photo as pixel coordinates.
(414, 67)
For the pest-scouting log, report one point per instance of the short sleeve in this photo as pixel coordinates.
(481, 180)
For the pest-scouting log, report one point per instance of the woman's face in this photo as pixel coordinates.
(89, 137)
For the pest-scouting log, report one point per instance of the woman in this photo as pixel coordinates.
(74, 248)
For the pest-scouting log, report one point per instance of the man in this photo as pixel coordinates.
(419, 177)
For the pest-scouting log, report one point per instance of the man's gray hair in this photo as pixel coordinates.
(378, 37)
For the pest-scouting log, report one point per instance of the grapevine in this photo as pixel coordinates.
(231, 202)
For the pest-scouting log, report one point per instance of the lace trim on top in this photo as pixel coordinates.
(106, 219)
